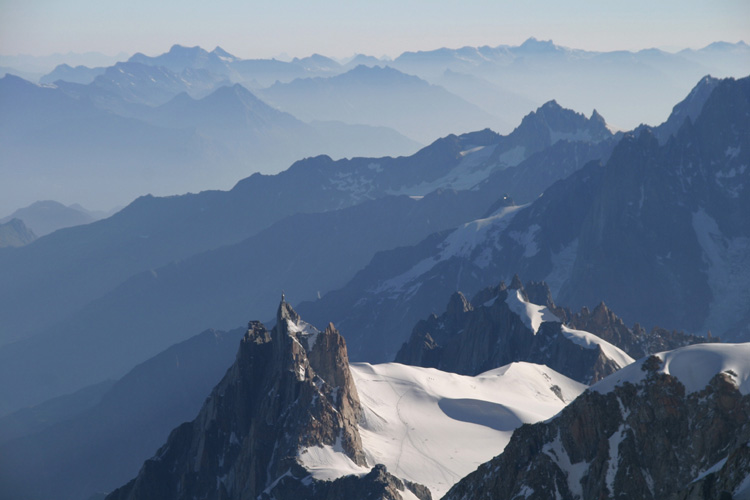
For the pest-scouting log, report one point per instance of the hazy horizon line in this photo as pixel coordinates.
(285, 56)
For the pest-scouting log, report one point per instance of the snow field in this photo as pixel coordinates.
(434, 427)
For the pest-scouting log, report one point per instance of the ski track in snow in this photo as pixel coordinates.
(434, 427)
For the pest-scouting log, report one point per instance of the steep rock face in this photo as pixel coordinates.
(604, 323)
(674, 216)
(501, 325)
(551, 123)
(730, 481)
(644, 437)
(289, 390)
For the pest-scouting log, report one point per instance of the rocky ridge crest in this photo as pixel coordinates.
(644, 440)
(486, 333)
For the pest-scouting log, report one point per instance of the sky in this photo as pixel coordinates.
(338, 28)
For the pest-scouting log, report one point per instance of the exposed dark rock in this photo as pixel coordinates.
(470, 338)
(378, 484)
(663, 438)
(722, 483)
(635, 341)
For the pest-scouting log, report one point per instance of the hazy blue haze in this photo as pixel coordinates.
(338, 28)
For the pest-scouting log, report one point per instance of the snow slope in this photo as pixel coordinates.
(693, 365)
(462, 242)
(533, 315)
(434, 427)
(590, 341)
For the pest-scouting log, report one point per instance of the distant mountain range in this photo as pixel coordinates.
(422, 95)
(667, 217)
(44, 217)
(380, 96)
(100, 354)
(104, 143)
(14, 233)
(34, 67)
(71, 456)
(141, 256)
(628, 87)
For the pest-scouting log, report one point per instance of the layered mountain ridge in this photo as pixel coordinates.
(95, 440)
(665, 216)
(653, 222)
(146, 254)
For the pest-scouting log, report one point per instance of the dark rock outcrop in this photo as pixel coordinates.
(647, 439)
(378, 484)
(289, 389)
(638, 343)
(729, 482)
(473, 337)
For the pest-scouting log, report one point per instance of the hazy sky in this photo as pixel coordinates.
(341, 28)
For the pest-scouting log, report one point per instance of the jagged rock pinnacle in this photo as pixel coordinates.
(515, 283)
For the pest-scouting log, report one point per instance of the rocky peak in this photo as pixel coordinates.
(538, 292)
(515, 283)
(688, 109)
(457, 304)
(502, 326)
(551, 123)
(597, 118)
(289, 390)
(636, 341)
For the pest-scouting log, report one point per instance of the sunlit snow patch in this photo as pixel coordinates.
(327, 463)
(434, 427)
(591, 341)
(306, 330)
(532, 315)
(460, 243)
(693, 365)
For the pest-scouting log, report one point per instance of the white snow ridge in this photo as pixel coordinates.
(693, 365)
